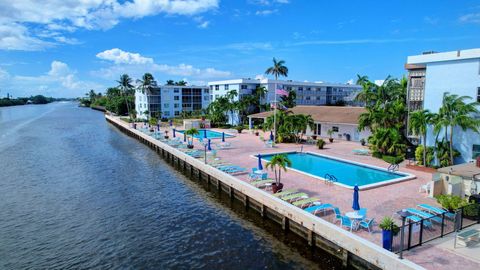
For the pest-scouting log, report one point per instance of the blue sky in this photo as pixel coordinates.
(63, 48)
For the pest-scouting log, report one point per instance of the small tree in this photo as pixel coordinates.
(153, 121)
(330, 134)
(190, 135)
(277, 164)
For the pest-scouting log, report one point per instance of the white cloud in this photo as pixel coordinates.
(135, 64)
(121, 57)
(59, 81)
(351, 81)
(470, 18)
(69, 15)
(266, 12)
(260, 77)
(204, 24)
(379, 82)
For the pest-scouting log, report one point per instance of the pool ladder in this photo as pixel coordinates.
(330, 178)
(393, 167)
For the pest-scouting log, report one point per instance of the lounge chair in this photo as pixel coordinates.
(306, 202)
(465, 237)
(269, 144)
(366, 224)
(316, 208)
(436, 210)
(225, 145)
(424, 215)
(346, 222)
(262, 183)
(295, 197)
(285, 192)
(426, 223)
(362, 152)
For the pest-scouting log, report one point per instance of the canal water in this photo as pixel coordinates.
(75, 193)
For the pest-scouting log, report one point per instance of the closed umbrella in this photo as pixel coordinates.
(205, 133)
(260, 167)
(184, 137)
(173, 133)
(223, 136)
(356, 204)
(271, 135)
(209, 147)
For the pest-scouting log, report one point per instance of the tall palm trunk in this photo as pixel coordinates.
(279, 175)
(425, 150)
(451, 145)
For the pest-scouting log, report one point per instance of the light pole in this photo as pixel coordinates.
(205, 146)
(404, 214)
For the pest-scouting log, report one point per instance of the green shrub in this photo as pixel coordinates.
(320, 143)
(392, 159)
(153, 121)
(377, 154)
(388, 224)
(419, 155)
(451, 202)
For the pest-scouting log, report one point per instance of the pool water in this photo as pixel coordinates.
(347, 173)
(211, 134)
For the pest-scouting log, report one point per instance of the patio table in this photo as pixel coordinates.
(355, 218)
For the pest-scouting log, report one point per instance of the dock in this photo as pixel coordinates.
(354, 251)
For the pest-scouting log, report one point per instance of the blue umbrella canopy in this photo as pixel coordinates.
(271, 135)
(260, 167)
(205, 133)
(223, 136)
(209, 147)
(173, 133)
(356, 204)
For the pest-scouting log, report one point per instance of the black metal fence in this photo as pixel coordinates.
(426, 229)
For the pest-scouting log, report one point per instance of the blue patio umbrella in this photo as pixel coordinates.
(184, 137)
(209, 148)
(205, 133)
(173, 133)
(223, 136)
(356, 204)
(158, 127)
(260, 167)
(271, 135)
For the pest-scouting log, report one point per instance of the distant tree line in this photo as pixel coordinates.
(38, 99)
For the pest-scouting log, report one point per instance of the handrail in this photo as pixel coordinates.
(393, 167)
(330, 178)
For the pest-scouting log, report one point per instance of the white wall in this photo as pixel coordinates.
(343, 129)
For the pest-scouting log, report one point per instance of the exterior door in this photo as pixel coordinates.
(318, 129)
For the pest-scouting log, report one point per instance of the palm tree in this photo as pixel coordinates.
(125, 84)
(419, 121)
(455, 111)
(232, 104)
(278, 69)
(170, 82)
(191, 133)
(277, 164)
(146, 83)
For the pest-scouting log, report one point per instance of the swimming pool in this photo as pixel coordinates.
(348, 173)
(211, 134)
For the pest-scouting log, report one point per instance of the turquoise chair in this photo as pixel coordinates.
(363, 212)
(366, 224)
(264, 176)
(338, 215)
(346, 222)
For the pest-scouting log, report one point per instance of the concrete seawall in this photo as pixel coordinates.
(353, 250)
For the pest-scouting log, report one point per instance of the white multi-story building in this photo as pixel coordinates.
(308, 93)
(171, 100)
(432, 74)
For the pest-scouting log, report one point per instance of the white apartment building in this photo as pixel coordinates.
(171, 100)
(432, 74)
(308, 93)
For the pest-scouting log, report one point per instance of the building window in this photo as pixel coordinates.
(307, 98)
(176, 90)
(177, 113)
(211, 87)
(244, 86)
(206, 91)
(475, 151)
(478, 94)
(216, 96)
(335, 129)
(300, 88)
(176, 105)
(166, 105)
(226, 86)
(217, 87)
(176, 98)
(166, 113)
(206, 98)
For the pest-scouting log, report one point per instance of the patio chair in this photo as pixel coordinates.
(346, 222)
(264, 176)
(306, 202)
(361, 152)
(269, 144)
(424, 215)
(426, 223)
(338, 215)
(363, 212)
(436, 210)
(366, 224)
(425, 188)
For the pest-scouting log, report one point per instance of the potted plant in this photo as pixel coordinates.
(166, 134)
(330, 133)
(314, 137)
(362, 141)
(239, 128)
(320, 143)
(277, 164)
(389, 229)
(153, 123)
(256, 130)
(190, 135)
